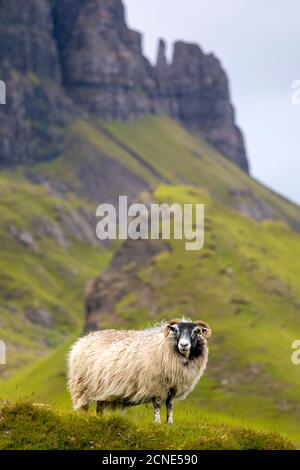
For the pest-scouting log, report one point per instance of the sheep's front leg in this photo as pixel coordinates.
(169, 405)
(156, 406)
(84, 408)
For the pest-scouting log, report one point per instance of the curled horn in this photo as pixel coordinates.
(167, 328)
(206, 330)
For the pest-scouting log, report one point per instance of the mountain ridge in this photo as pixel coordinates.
(81, 59)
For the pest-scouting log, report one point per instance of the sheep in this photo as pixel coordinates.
(119, 368)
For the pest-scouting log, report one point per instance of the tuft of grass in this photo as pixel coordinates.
(27, 426)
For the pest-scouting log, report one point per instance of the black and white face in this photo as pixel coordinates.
(189, 338)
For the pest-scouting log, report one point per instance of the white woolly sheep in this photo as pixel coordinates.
(131, 367)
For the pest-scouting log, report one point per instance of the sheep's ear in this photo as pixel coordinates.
(170, 326)
(166, 331)
(206, 330)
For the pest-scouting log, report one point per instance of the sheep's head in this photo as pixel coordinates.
(189, 337)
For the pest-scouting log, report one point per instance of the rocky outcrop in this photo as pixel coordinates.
(103, 67)
(57, 52)
(36, 110)
(200, 93)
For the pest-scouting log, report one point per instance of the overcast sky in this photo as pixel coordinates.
(258, 43)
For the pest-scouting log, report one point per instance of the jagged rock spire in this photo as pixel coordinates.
(161, 62)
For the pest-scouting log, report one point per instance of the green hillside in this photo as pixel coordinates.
(156, 149)
(245, 282)
(47, 254)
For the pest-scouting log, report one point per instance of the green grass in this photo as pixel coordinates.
(24, 426)
(44, 381)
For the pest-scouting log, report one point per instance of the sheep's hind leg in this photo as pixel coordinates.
(156, 406)
(101, 405)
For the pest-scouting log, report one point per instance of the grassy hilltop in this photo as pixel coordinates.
(38, 427)
(245, 283)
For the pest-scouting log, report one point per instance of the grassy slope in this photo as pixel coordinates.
(27, 427)
(182, 158)
(172, 153)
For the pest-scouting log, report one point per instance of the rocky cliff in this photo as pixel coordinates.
(31, 123)
(61, 58)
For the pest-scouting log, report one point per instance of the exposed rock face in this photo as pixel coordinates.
(103, 66)
(32, 119)
(39, 317)
(199, 89)
(51, 49)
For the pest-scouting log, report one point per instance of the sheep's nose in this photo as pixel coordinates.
(184, 344)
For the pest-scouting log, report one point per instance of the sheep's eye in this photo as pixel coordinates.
(204, 330)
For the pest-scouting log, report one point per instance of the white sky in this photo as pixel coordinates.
(258, 42)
